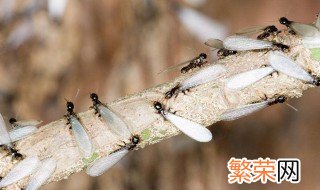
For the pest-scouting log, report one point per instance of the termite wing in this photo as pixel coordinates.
(218, 44)
(189, 128)
(79, 132)
(115, 122)
(43, 172)
(243, 43)
(242, 111)
(317, 23)
(203, 76)
(266, 31)
(22, 129)
(242, 80)
(21, 170)
(6, 141)
(4, 135)
(280, 62)
(305, 30)
(192, 63)
(314, 41)
(119, 127)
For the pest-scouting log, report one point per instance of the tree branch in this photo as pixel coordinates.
(202, 104)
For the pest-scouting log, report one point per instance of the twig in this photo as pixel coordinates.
(202, 104)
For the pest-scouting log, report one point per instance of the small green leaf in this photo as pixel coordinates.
(315, 53)
(93, 157)
(145, 134)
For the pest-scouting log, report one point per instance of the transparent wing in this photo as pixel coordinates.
(305, 30)
(243, 43)
(27, 123)
(317, 23)
(101, 165)
(214, 43)
(311, 42)
(242, 80)
(190, 128)
(22, 132)
(4, 135)
(43, 173)
(250, 30)
(21, 170)
(173, 67)
(115, 122)
(139, 110)
(203, 76)
(81, 137)
(283, 64)
(236, 113)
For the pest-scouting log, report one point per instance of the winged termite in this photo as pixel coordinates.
(119, 127)
(242, 80)
(22, 123)
(192, 63)
(22, 129)
(116, 124)
(203, 76)
(280, 62)
(5, 140)
(80, 133)
(265, 31)
(305, 30)
(242, 111)
(4, 135)
(317, 23)
(104, 163)
(243, 43)
(189, 128)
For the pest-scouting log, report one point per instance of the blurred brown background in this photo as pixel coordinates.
(116, 48)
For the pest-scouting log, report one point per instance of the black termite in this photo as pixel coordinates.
(268, 31)
(96, 102)
(134, 141)
(70, 113)
(79, 132)
(222, 53)
(158, 106)
(280, 46)
(70, 108)
(15, 154)
(12, 120)
(172, 92)
(316, 81)
(278, 99)
(285, 21)
(196, 62)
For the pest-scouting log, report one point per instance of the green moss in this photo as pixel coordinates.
(215, 86)
(315, 54)
(145, 134)
(93, 157)
(156, 139)
(163, 132)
